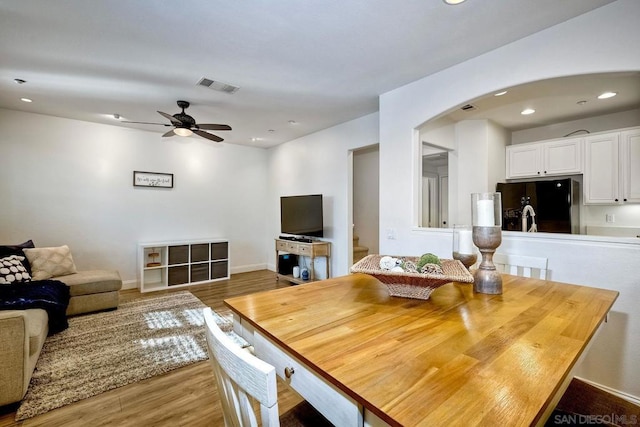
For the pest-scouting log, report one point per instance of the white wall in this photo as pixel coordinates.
(366, 190)
(602, 123)
(319, 164)
(70, 182)
(585, 44)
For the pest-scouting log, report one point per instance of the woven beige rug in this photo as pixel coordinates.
(103, 351)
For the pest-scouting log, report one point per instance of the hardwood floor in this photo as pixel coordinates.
(185, 397)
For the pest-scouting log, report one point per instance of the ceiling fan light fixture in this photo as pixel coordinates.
(183, 131)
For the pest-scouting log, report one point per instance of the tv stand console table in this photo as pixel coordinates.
(310, 249)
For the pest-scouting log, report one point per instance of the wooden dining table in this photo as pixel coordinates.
(362, 357)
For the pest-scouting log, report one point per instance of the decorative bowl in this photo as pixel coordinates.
(409, 284)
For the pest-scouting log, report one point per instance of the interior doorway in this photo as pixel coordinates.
(364, 202)
(434, 197)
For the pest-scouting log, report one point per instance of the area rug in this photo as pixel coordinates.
(103, 351)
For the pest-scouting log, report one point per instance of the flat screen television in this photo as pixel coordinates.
(301, 215)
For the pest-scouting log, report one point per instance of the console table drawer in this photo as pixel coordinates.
(340, 409)
(285, 246)
(293, 247)
(305, 250)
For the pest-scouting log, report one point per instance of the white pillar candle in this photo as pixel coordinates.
(465, 242)
(485, 213)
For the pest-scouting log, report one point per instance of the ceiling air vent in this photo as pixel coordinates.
(468, 107)
(216, 85)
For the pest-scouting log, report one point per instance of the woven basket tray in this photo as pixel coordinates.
(413, 285)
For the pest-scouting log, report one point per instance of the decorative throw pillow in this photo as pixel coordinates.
(50, 262)
(6, 250)
(12, 270)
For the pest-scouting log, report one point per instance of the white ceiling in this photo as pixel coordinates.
(315, 62)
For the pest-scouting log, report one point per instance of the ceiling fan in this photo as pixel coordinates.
(185, 125)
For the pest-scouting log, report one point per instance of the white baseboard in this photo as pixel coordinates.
(622, 395)
(248, 268)
(129, 284)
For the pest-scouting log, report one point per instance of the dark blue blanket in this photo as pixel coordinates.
(50, 295)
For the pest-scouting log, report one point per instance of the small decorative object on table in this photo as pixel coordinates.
(486, 214)
(463, 249)
(153, 255)
(405, 279)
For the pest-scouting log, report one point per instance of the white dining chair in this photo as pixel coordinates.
(520, 265)
(243, 379)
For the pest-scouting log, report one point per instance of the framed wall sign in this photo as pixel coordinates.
(152, 179)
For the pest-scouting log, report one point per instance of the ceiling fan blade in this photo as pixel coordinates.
(170, 133)
(172, 119)
(211, 126)
(145, 123)
(207, 135)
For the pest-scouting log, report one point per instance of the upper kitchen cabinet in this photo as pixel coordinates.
(612, 168)
(630, 165)
(550, 158)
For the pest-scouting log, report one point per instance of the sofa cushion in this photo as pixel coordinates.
(6, 250)
(91, 282)
(50, 262)
(13, 270)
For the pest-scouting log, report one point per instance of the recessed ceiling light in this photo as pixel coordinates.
(527, 111)
(254, 139)
(453, 1)
(20, 81)
(26, 100)
(500, 93)
(607, 95)
(271, 130)
(582, 102)
(292, 122)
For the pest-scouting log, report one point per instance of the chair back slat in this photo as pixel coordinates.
(520, 265)
(241, 378)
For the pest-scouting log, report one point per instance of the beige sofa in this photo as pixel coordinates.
(23, 332)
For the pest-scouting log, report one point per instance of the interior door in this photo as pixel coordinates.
(444, 201)
(430, 208)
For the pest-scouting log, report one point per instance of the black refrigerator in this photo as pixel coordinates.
(555, 203)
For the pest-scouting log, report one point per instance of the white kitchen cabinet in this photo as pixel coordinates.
(612, 168)
(602, 174)
(523, 160)
(550, 158)
(630, 165)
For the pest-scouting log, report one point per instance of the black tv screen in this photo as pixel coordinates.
(301, 215)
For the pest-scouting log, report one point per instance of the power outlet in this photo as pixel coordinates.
(391, 234)
(610, 218)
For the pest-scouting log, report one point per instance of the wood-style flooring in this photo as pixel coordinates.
(188, 396)
(184, 397)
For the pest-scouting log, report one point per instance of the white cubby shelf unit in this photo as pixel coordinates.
(175, 264)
